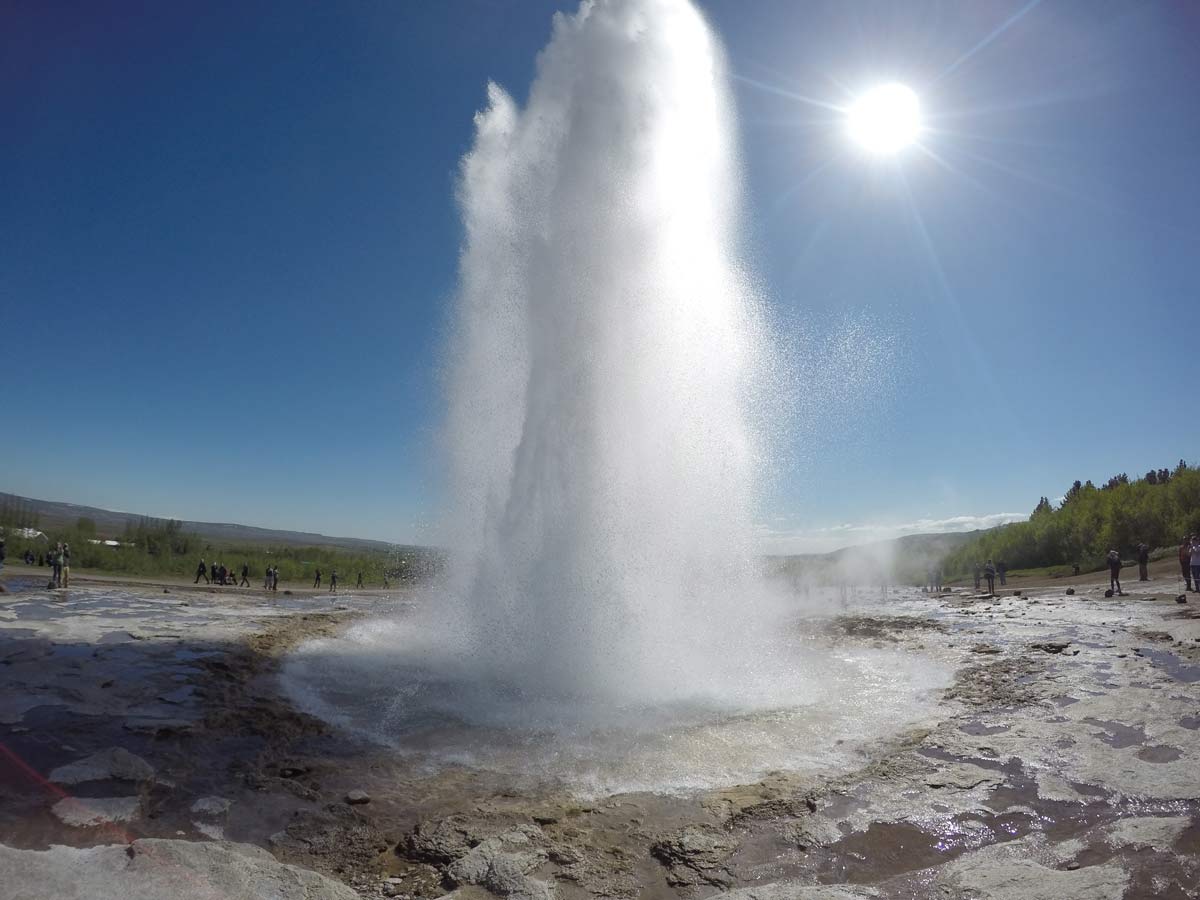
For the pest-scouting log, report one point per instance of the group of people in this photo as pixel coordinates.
(991, 571)
(218, 574)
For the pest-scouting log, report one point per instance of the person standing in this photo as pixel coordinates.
(1185, 560)
(317, 580)
(274, 578)
(214, 573)
(333, 581)
(1002, 571)
(989, 572)
(1114, 572)
(66, 565)
(245, 582)
(1195, 560)
(360, 584)
(267, 579)
(56, 577)
(201, 572)
(1143, 562)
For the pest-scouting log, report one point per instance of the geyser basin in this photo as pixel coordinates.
(385, 680)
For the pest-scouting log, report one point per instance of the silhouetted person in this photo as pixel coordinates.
(1002, 571)
(385, 578)
(1195, 560)
(333, 581)
(1143, 562)
(275, 578)
(214, 573)
(1185, 559)
(1114, 571)
(989, 572)
(201, 572)
(317, 580)
(66, 565)
(245, 575)
(360, 584)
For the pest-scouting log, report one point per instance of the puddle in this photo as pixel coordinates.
(1168, 662)
(1159, 753)
(1118, 735)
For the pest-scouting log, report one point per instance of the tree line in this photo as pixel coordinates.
(1158, 509)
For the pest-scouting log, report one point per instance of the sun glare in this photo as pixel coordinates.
(885, 119)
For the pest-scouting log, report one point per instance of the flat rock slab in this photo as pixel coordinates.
(110, 763)
(88, 812)
(155, 869)
(790, 890)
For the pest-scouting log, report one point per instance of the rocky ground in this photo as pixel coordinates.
(147, 753)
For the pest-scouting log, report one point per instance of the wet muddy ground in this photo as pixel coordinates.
(1063, 761)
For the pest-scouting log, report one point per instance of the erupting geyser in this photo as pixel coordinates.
(602, 621)
(601, 447)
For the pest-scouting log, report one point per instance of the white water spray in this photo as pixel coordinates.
(605, 350)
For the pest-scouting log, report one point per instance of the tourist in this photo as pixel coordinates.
(1195, 560)
(1185, 559)
(317, 580)
(333, 581)
(978, 575)
(66, 565)
(2, 551)
(267, 579)
(214, 573)
(360, 584)
(245, 575)
(275, 578)
(1143, 562)
(56, 575)
(989, 572)
(1002, 571)
(385, 578)
(1114, 572)
(201, 572)
(222, 572)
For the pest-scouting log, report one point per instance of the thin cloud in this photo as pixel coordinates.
(848, 534)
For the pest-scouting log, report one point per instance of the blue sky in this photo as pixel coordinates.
(229, 239)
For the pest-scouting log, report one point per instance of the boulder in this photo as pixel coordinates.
(151, 869)
(358, 797)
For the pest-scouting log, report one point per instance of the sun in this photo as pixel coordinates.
(885, 119)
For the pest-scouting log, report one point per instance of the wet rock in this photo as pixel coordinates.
(1070, 592)
(115, 763)
(442, 841)
(151, 869)
(1156, 832)
(985, 648)
(212, 806)
(502, 865)
(1182, 598)
(695, 855)
(1108, 593)
(358, 797)
(1011, 872)
(1050, 646)
(89, 812)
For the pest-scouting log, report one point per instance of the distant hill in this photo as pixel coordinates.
(112, 524)
(904, 559)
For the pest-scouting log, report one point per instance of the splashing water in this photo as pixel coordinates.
(607, 402)
(606, 347)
